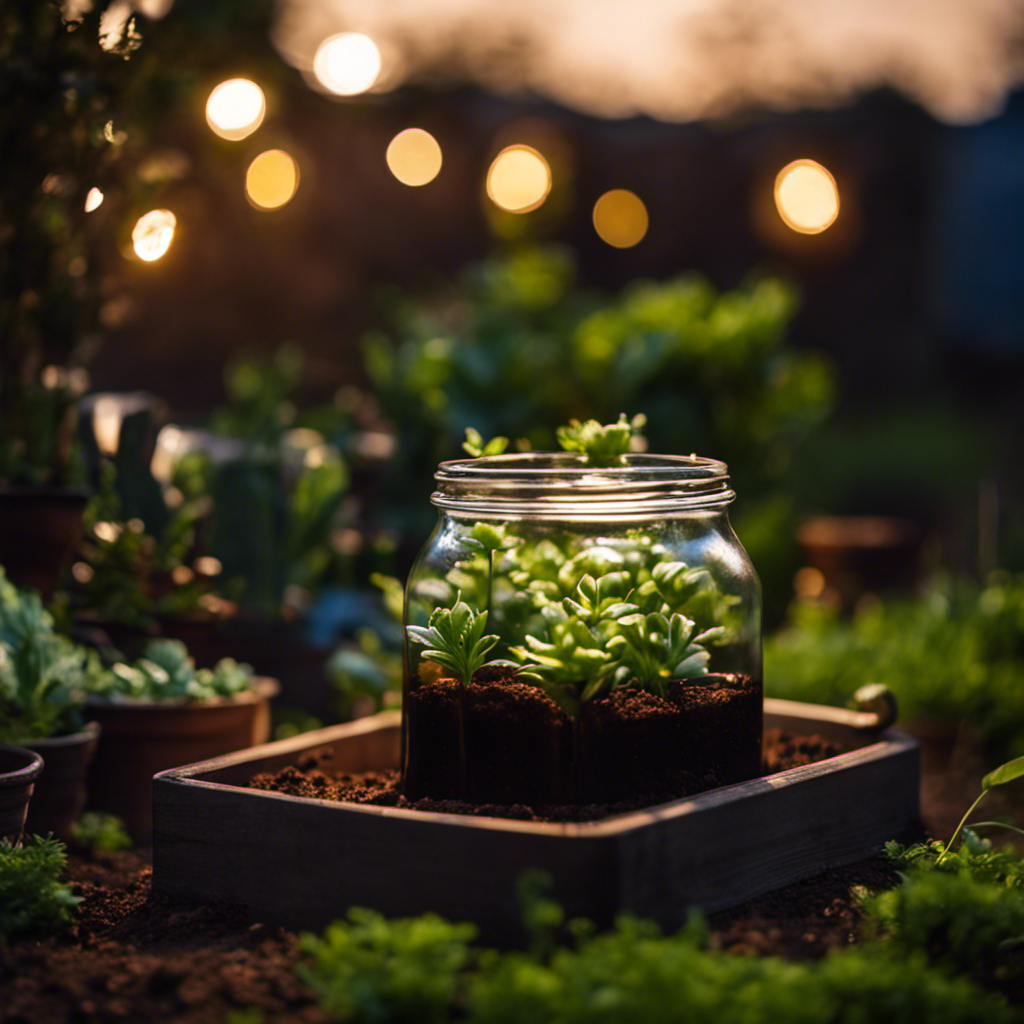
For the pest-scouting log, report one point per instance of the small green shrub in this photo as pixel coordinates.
(101, 831)
(954, 655)
(32, 899)
(372, 970)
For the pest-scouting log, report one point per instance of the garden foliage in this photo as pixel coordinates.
(32, 899)
(166, 671)
(515, 349)
(956, 655)
(44, 677)
(630, 975)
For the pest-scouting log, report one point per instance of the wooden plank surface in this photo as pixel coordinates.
(302, 862)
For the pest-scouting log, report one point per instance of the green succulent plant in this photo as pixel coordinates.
(651, 650)
(476, 446)
(600, 444)
(166, 671)
(454, 637)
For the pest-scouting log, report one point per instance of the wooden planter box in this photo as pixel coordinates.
(301, 862)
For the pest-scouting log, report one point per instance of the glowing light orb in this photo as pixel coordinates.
(93, 199)
(414, 157)
(519, 179)
(620, 218)
(236, 108)
(272, 179)
(806, 197)
(347, 64)
(153, 234)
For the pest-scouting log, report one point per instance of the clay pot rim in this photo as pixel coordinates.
(263, 688)
(89, 731)
(25, 775)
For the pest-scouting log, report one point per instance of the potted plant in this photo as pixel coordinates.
(161, 712)
(60, 72)
(44, 680)
(625, 614)
(19, 769)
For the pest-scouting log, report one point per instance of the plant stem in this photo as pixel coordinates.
(963, 821)
(997, 824)
(490, 580)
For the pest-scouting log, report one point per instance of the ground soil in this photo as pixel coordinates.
(313, 777)
(520, 748)
(135, 957)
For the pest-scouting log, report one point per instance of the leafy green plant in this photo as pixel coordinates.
(167, 672)
(997, 777)
(372, 970)
(454, 638)
(651, 650)
(476, 446)
(33, 901)
(600, 444)
(101, 831)
(367, 969)
(44, 677)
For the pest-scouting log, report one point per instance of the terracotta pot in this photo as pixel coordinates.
(60, 791)
(19, 769)
(862, 554)
(141, 738)
(40, 531)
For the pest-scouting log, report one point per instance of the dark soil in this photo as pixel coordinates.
(134, 957)
(312, 777)
(503, 742)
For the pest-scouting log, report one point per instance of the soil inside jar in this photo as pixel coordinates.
(517, 746)
(514, 741)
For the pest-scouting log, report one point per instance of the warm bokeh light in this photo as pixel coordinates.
(620, 218)
(272, 179)
(153, 233)
(347, 64)
(806, 197)
(93, 199)
(236, 108)
(519, 179)
(414, 157)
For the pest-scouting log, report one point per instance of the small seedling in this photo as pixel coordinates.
(475, 445)
(602, 445)
(653, 649)
(454, 637)
(1000, 776)
(32, 899)
(104, 832)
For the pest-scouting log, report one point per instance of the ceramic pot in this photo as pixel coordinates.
(60, 792)
(19, 769)
(141, 738)
(40, 531)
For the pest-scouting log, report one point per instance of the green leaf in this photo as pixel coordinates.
(1004, 773)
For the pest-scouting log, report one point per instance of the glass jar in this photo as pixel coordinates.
(628, 623)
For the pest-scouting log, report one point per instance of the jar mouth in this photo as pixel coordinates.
(560, 485)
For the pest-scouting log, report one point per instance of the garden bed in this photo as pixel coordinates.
(301, 861)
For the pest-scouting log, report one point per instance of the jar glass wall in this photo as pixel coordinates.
(628, 619)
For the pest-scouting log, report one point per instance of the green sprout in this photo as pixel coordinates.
(601, 444)
(653, 649)
(454, 637)
(998, 777)
(475, 446)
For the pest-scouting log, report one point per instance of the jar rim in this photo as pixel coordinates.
(560, 485)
